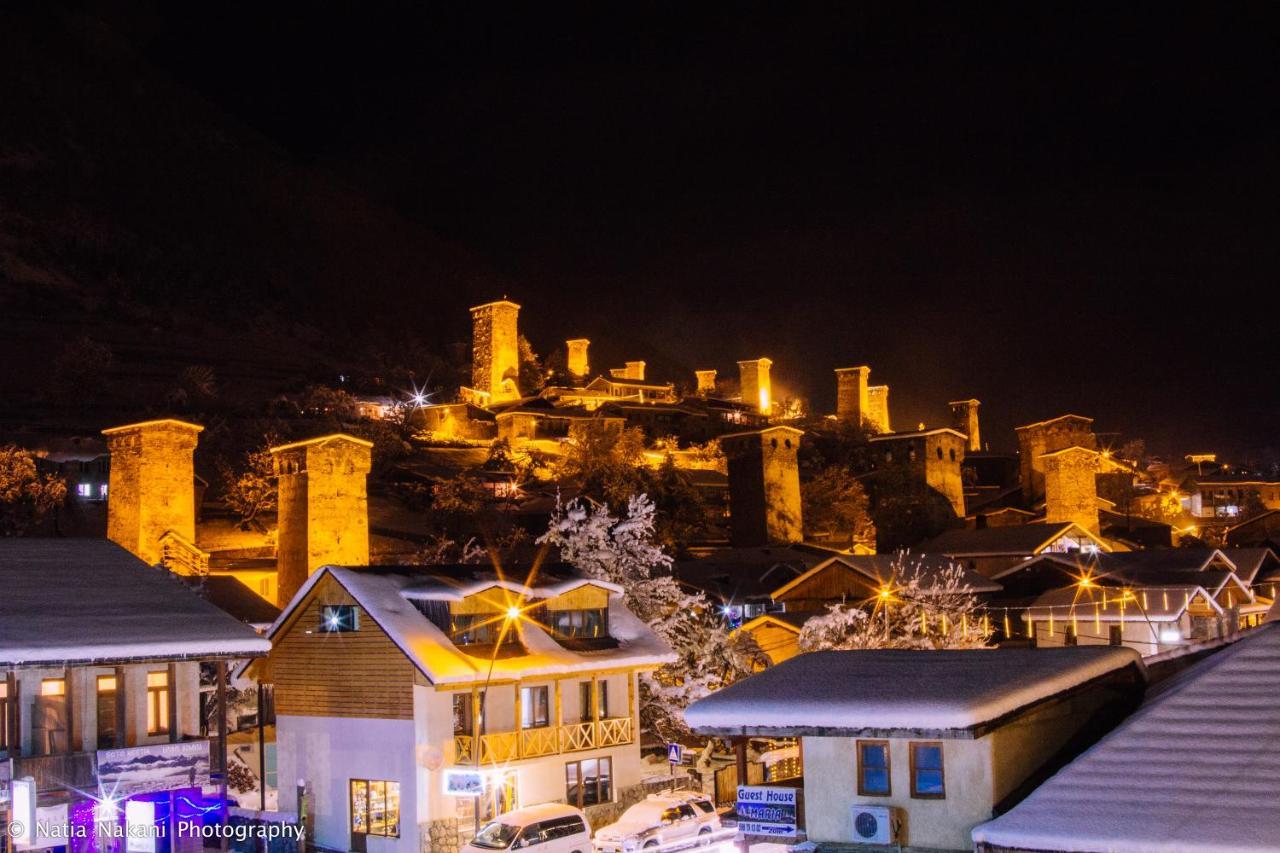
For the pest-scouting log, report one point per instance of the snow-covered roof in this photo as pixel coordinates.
(1012, 541)
(80, 600)
(951, 693)
(442, 589)
(1194, 769)
(1110, 604)
(381, 593)
(885, 568)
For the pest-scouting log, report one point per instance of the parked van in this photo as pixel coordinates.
(548, 828)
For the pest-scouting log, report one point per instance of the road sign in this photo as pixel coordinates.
(675, 753)
(764, 810)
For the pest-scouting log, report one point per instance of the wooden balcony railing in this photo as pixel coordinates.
(59, 772)
(500, 747)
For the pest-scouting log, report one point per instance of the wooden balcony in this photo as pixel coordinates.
(59, 772)
(500, 747)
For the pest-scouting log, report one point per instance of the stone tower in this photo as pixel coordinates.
(706, 381)
(1071, 487)
(757, 387)
(495, 350)
(323, 507)
(577, 363)
(151, 487)
(878, 407)
(964, 418)
(932, 458)
(634, 370)
(852, 396)
(1035, 440)
(764, 486)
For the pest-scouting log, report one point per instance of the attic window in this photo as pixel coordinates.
(339, 619)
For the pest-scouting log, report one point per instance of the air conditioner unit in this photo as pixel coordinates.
(874, 825)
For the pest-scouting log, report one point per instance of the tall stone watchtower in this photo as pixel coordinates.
(764, 486)
(1035, 440)
(932, 457)
(1071, 487)
(495, 350)
(576, 362)
(852, 397)
(878, 407)
(757, 387)
(323, 507)
(964, 418)
(706, 381)
(151, 487)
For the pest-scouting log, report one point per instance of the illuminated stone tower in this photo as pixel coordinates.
(634, 370)
(757, 387)
(1071, 486)
(577, 363)
(964, 418)
(764, 486)
(323, 507)
(1035, 440)
(151, 487)
(932, 458)
(852, 395)
(706, 381)
(878, 407)
(495, 350)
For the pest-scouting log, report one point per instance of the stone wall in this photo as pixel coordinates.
(495, 350)
(1035, 440)
(756, 385)
(878, 408)
(764, 486)
(964, 418)
(852, 402)
(706, 381)
(439, 836)
(151, 486)
(576, 361)
(1071, 487)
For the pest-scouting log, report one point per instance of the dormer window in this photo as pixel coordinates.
(482, 629)
(580, 624)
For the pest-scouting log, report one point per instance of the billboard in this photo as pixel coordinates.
(147, 769)
(765, 810)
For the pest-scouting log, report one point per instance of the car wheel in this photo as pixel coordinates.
(649, 844)
(703, 841)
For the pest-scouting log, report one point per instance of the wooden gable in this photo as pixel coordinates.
(586, 597)
(834, 582)
(361, 673)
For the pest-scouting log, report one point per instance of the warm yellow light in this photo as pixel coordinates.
(513, 612)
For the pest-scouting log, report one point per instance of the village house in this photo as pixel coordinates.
(415, 703)
(100, 702)
(1192, 769)
(990, 551)
(916, 748)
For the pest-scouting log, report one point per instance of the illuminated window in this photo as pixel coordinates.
(927, 780)
(873, 768)
(84, 490)
(584, 689)
(107, 712)
(102, 490)
(53, 687)
(375, 808)
(580, 624)
(482, 629)
(157, 703)
(339, 619)
(5, 716)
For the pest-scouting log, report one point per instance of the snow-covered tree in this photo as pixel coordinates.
(624, 551)
(26, 495)
(919, 609)
(251, 491)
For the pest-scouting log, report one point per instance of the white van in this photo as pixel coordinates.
(548, 828)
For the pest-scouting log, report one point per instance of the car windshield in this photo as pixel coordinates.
(496, 836)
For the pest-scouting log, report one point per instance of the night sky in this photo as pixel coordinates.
(1048, 207)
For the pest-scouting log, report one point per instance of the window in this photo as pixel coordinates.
(107, 712)
(84, 490)
(926, 771)
(584, 689)
(1069, 635)
(534, 708)
(375, 808)
(49, 730)
(339, 618)
(873, 768)
(1115, 635)
(588, 782)
(53, 687)
(157, 703)
(102, 492)
(463, 722)
(580, 624)
(482, 629)
(5, 716)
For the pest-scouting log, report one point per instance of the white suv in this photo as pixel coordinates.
(678, 819)
(549, 828)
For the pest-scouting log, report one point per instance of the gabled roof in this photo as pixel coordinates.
(880, 568)
(946, 693)
(227, 593)
(1250, 561)
(1193, 769)
(894, 436)
(81, 600)
(385, 593)
(739, 574)
(1163, 604)
(1055, 420)
(1010, 541)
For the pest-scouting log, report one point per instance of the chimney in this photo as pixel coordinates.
(578, 365)
(634, 370)
(757, 388)
(764, 486)
(964, 418)
(706, 381)
(1071, 487)
(495, 350)
(151, 487)
(852, 396)
(878, 407)
(323, 507)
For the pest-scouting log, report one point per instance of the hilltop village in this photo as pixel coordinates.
(556, 593)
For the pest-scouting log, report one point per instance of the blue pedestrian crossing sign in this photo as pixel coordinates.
(675, 753)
